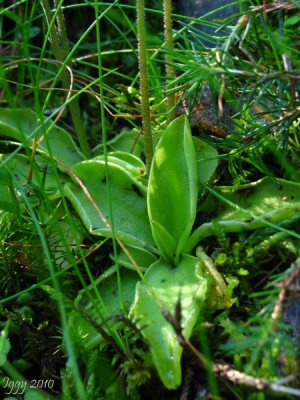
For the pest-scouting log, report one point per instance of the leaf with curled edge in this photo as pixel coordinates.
(124, 202)
(247, 207)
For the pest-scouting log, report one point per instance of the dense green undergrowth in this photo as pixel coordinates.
(131, 275)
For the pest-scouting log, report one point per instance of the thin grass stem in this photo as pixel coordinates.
(60, 48)
(143, 69)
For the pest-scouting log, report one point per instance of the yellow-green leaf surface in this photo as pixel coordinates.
(173, 189)
(124, 201)
(22, 125)
(251, 206)
(164, 286)
(259, 198)
(130, 164)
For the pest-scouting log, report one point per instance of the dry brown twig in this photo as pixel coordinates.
(226, 371)
(267, 8)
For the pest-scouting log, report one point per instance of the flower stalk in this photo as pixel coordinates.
(169, 46)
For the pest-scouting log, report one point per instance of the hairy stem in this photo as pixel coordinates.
(169, 46)
(142, 53)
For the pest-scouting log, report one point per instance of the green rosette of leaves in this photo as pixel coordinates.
(176, 278)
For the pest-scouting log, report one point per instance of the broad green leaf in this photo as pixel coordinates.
(173, 189)
(163, 287)
(251, 206)
(207, 160)
(259, 198)
(126, 202)
(256, 198)
(129, 161)
(22, 125)
(101, 307)
(44, 174)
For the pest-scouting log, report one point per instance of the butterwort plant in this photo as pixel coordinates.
(176, 276)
